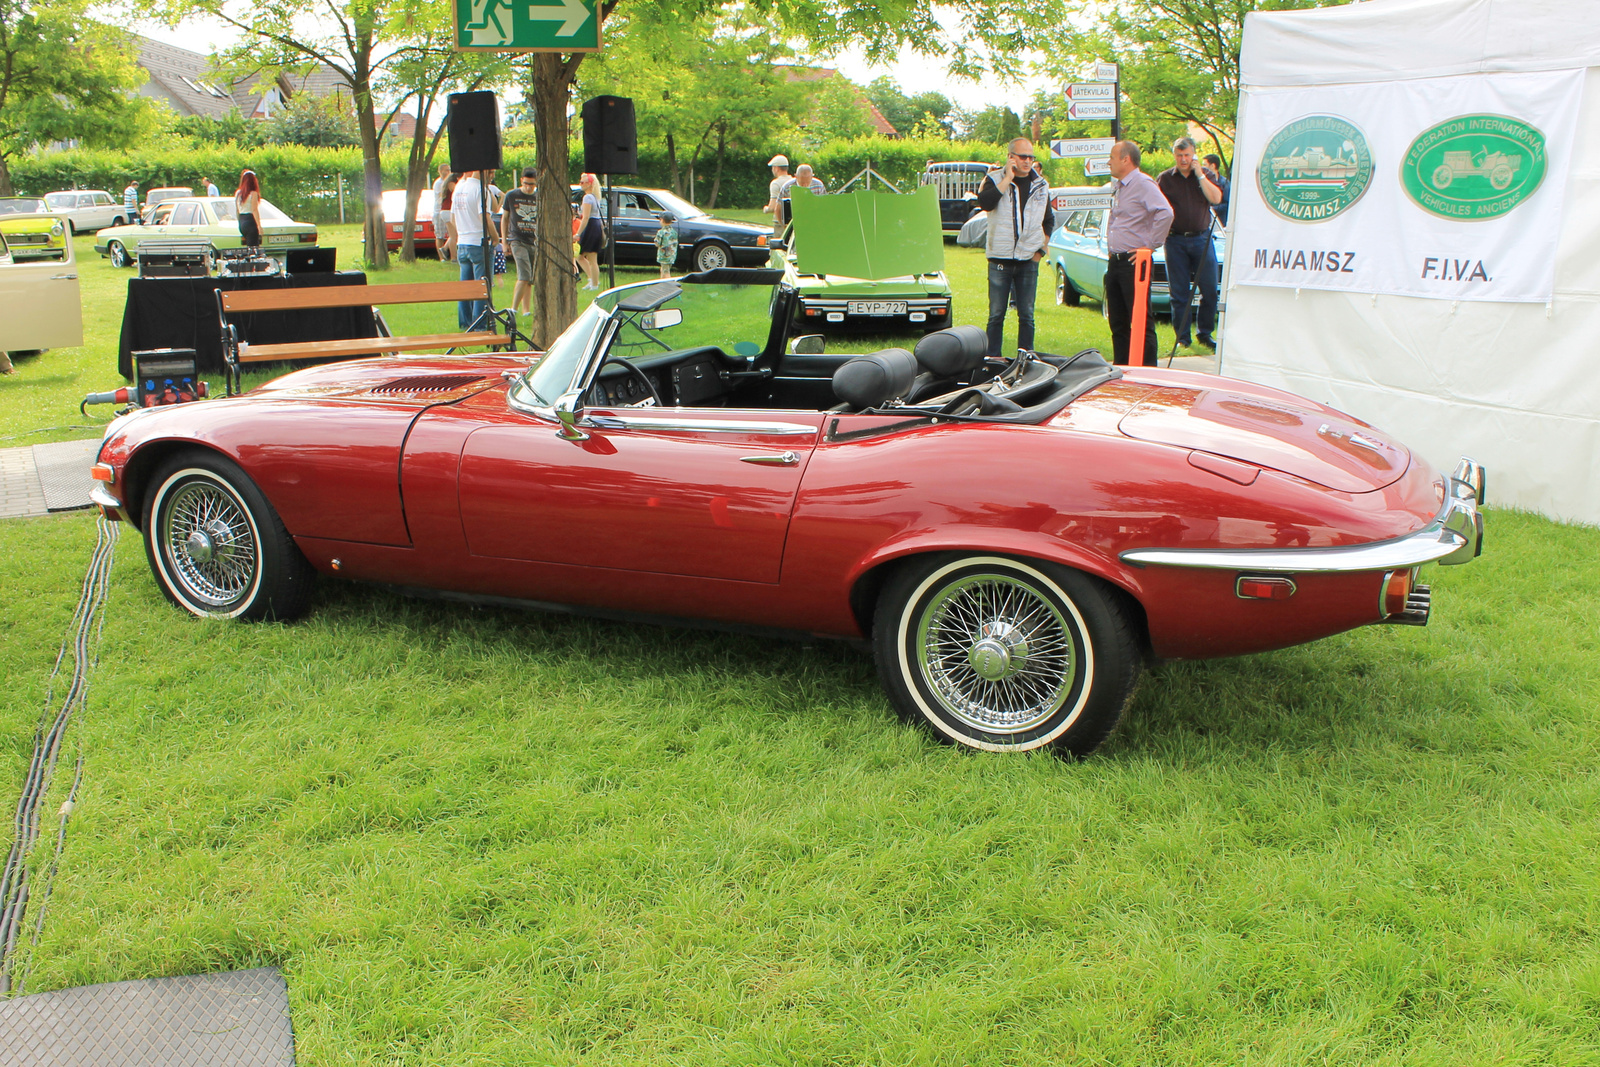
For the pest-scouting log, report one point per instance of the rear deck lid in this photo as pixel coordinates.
(1331, 450)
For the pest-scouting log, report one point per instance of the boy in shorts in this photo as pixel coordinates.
(519, 236)
(666, 245)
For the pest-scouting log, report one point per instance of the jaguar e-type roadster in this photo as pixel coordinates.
(1014, 539)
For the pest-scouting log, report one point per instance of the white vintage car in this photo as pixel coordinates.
(40, 303)
(87, 210)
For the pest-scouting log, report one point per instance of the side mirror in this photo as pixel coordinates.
(569, 409)
(811, 344)
(777, 244)
(661, 318)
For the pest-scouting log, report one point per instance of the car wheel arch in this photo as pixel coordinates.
(873, 572)
(141, 466)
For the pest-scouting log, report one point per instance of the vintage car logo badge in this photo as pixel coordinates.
(1474, 167)
(1314, 168)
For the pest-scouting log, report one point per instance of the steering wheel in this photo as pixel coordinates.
(644, 378)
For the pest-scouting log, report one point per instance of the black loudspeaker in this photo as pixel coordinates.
(474, 132)
(312, 260)
(610, 145)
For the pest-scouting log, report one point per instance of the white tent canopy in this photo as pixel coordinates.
(1513, 385)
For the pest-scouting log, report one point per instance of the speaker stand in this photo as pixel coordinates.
(611, 244)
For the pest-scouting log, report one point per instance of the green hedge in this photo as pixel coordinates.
(301, 181)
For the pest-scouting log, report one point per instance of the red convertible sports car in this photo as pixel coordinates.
(1014, 540)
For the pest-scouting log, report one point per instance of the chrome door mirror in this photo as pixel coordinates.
(811, 344)
(569, 409)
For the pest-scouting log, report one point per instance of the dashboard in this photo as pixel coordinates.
(696, 377)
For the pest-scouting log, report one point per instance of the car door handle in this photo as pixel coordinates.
(782, 459)
(63, 277)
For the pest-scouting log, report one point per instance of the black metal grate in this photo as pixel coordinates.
(237, 1019)
(427, 383)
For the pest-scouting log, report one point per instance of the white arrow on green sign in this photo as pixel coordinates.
(526, 26)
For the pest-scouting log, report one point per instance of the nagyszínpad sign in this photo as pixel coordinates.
(526, 26)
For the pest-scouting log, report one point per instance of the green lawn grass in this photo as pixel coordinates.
(488, 837)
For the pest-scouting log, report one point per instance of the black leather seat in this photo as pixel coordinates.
(874, 379)
(948, 358)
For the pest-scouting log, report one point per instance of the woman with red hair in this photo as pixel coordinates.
(590, 235)
(247, 204)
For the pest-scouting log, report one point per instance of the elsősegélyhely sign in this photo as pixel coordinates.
(526, 26)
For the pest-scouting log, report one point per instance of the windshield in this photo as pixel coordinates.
(20, 206)
(553, 374)
(394, 204)
(225, 209)
(676, 204)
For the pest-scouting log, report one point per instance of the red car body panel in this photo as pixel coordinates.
(455, 490)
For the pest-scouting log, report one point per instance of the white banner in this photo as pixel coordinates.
(1443, 187)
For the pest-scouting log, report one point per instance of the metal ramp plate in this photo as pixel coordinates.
(64, 472)
(236, 1019)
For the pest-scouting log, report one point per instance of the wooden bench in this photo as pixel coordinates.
(237, 352)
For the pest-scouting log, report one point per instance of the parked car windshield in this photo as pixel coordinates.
(62, 200)
(676, 204)
(223, 208)
(20, 205)
(394, 204)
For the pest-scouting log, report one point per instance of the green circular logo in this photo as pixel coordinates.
(1314, 168)
(1474, 167)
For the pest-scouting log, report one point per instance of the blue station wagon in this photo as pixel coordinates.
(1079, 253)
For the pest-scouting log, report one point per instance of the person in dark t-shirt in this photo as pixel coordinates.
(1191, 258)
(519, 236)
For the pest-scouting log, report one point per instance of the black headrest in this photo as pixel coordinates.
(875, 378)
(953, 352)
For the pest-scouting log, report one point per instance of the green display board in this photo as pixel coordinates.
(868, 235)
(550, 26)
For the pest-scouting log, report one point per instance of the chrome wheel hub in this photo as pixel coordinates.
(211, 544)
(996, 653)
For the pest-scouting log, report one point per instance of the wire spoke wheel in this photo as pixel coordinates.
(1005, 654)
(996, 653)
(211, 543)
(217, 546)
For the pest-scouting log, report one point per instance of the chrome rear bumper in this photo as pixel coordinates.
(1454, 536)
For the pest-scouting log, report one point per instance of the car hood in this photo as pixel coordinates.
(404, 382)
(1313, 443)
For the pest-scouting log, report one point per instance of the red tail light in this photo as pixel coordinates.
(1250, 587)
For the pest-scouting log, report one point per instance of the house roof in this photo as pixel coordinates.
(185, 80)
(880, 125)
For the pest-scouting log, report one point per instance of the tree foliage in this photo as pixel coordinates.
(924, 112)
(1179, 59)
(836, 113)
(65, 77)
(315, 123)
(703, 86)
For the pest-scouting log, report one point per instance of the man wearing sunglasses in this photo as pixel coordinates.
(1017, 198)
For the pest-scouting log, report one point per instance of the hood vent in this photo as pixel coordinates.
(426, 383)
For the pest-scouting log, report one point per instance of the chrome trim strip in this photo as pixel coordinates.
(651, 422)
(1451, 534)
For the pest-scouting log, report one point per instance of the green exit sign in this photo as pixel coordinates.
(527, 26)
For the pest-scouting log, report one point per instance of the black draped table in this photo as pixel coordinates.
(182, 313)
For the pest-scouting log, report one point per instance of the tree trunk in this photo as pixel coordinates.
(371, 162)
(554, 289)
(716, 178)
(5, 178)
(419, 168)
(672, 161)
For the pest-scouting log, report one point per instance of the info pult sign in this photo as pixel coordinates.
(526, 26)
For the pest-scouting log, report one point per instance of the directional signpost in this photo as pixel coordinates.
(1092, 100)
(526, 26)
(1081, 147)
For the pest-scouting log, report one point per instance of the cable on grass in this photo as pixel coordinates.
(82, 643)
